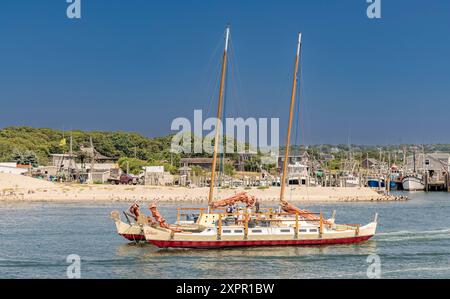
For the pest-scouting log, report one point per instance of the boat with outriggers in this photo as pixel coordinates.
(215, 227)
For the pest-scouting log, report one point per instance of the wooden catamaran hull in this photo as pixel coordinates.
(131, 232)
(135, 233)
(165, 238)
(134, 237)
(254, 243)
(131, 235)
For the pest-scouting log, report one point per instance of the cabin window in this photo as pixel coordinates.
(314, 230)
(302, 230)
(285, 230)
(226, 231)
(256, 231)
(238, 231)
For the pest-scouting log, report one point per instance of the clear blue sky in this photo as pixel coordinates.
(136, 65)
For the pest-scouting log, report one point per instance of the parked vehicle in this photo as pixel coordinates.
(127, 179)
(114, 177)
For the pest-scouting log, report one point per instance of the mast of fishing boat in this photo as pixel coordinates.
(219, 116)
(291, 115)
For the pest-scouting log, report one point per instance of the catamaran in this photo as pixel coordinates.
(213, 227)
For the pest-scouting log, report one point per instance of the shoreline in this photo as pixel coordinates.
(172, 202)
(16, 188)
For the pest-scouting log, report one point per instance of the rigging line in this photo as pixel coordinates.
(212, 76)
(301, 103)
(235, 99)
(304, 108)
(302, 116)
(212, 91)
(233, 94)
(298, 116)
(212, 59)
(242, 105)
(283, 88)
(221, 136)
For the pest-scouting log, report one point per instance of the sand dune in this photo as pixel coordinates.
(15, 181)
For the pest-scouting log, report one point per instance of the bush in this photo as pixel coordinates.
(134, 165)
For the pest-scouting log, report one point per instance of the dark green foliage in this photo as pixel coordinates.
(17, 156)
(26, 158)
(132, 165)
(30, 158)
(228, 169)
(43, 142)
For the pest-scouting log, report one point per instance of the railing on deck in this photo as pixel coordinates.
(244, 218)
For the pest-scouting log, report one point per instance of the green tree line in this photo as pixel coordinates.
(19, 142)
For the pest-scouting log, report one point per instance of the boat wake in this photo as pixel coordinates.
(439, 234)
(420, 270)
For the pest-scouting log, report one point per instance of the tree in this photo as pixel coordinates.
(253, 163)
(197, 170)
(132, 164)
(17, 156)
(30, 158)
(228, 169)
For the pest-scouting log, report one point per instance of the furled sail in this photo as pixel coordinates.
(306, 214)
(240, 197)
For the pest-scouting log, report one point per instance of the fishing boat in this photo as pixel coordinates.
(375, 182)
(213, 227)
(351, 181)
(413, 183)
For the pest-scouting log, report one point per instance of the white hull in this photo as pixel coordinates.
(411, 183)
(352, 183)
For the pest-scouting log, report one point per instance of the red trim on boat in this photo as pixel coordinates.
(133, 237)
(209, 244)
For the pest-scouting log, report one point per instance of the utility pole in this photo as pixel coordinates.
(92, 159)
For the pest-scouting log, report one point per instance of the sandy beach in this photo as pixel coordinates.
(20, 188)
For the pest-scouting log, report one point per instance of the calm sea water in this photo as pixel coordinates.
(413, 241)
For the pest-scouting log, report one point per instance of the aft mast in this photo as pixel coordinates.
(219, 116)
(291, 115)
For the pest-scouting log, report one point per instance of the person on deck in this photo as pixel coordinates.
(257, 206)
(135, 210)
(240, 216)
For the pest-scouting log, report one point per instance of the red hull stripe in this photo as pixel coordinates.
(209, 244)
(133, 237)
